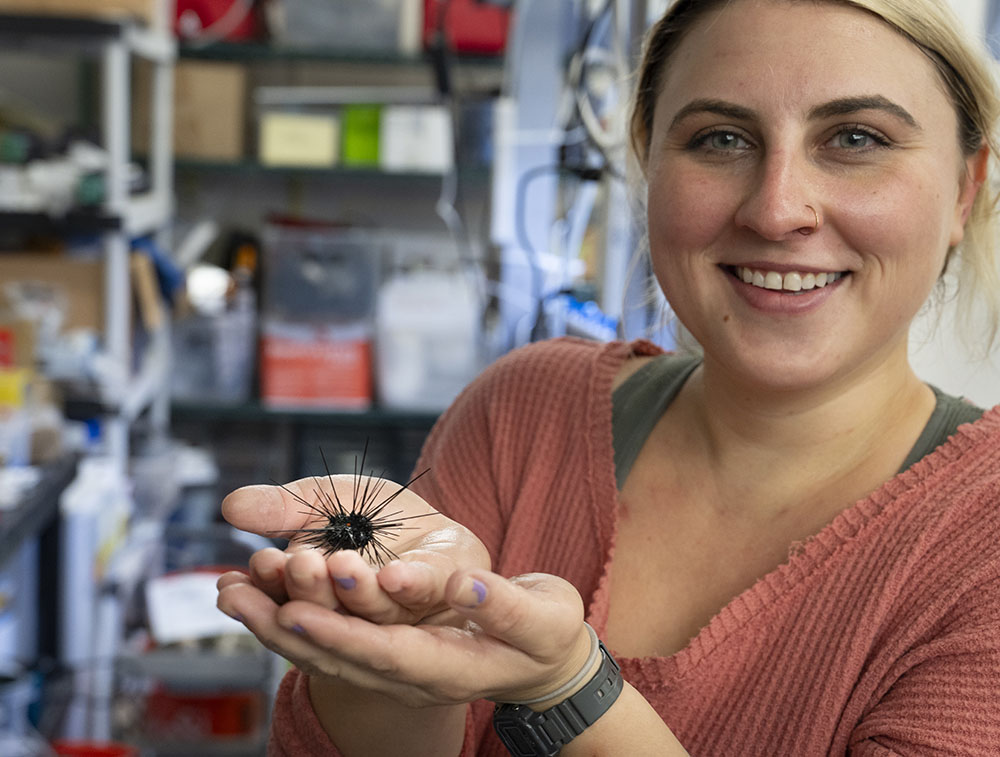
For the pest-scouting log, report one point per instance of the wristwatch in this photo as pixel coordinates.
(527, 733)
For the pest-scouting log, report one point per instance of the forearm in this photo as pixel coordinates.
(366, 724)
(631, 726)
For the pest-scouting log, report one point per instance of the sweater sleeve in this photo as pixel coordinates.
(296, 731)
(940, 698)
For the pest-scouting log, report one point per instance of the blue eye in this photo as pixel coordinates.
(857, 139)
(854, 139)
(719, 141)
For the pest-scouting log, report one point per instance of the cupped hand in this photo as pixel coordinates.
(519, 638)
(404, 583)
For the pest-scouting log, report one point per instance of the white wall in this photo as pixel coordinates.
(972, 12)
(938, 354)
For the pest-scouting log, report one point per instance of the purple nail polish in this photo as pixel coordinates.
(346, 583)
(239, 618)
(480, 588)
(299, 630)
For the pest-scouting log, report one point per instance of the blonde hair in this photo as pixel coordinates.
(965, 70)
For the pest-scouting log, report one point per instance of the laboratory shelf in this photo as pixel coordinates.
(38, 508)
(201, 670)
(249, 52)
(258, 412)
(41, 31)
(74, 222)
(144, 214)
(351, 173)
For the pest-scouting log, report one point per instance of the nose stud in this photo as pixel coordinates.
(806, 230)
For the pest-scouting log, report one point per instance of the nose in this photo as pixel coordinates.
(780, 200)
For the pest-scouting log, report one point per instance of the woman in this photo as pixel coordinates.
(779, 543)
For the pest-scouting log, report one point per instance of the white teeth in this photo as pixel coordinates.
(793, 281)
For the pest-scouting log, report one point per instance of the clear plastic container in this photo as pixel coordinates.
(363, 25)
(427, 339)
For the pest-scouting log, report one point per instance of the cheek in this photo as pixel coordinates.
(686, 214)
(903, 227)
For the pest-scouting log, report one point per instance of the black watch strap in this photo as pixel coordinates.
(527, 733)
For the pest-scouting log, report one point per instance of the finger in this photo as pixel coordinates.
(306, 578)
(261, 510)
(267, 572)
(415, 584)
(232, 577)
(277, 510)
(392, 659)
(425, 664)
(537, 613)
(357, 588)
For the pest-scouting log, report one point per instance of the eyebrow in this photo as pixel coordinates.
(840, 107)
(847, 105)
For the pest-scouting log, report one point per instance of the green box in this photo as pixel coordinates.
(360, 124)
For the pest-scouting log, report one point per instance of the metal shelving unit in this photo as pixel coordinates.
(114, 43)
(134, 385)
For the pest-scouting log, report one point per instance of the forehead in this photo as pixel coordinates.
(799, 53)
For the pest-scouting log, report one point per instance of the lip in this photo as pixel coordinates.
(775, 302)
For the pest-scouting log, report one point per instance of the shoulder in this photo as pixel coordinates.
(564, 364)
(564, 382)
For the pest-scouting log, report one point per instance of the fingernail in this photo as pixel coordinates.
(299, 630)
(346, 583)
(474, 593)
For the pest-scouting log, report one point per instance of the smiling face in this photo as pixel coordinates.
(805, 183)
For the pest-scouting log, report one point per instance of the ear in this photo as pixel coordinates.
(972, 179)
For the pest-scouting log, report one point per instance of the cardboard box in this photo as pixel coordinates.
(79, 284)
(303, 366)
(17, 343)
(209, 110)
(144, 10)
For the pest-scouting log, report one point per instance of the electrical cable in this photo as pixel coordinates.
(440, 54)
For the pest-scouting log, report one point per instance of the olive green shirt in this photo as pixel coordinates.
(639, 402)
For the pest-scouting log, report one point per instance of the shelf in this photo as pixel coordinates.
(255, 411)
(52, 31)
(252, 52)
(74, 222)
(38, 508)
(65, 28)
(145, 214)
(194, 670)
(337, 172)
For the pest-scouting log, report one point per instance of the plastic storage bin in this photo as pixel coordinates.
(320, 275)
(363, 25)
(428, 339)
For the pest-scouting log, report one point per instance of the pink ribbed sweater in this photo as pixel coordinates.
(879, 636)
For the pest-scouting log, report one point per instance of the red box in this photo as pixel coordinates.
(205, 18)
(193, 717)
(469, 26)
(303, 366)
